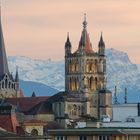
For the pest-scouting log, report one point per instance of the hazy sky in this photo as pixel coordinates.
(38, 28)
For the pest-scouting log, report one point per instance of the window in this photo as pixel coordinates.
(82, 138)
(103, 137)
(34, 132)
(61, 138)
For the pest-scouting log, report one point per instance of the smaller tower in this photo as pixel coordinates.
(101, 46)
(68, 46)
(17, 80)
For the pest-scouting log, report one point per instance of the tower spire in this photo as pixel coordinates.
(3, 58)
(17, 76)
(84, 22)
(101, 45)
(68, 40)
(68, 45)
(84, 43)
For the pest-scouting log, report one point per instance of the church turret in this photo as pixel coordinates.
(3, 59)
(68, 46)
(17, 79)
(17, 76)
(101, 46)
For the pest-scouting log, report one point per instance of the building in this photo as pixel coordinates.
(85, 99)
(9, 86)
(85, 92)
(96, 134)
(85, 82)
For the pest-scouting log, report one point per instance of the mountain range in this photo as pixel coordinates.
(46, 77)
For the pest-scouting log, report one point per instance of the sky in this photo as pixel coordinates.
(38, 28)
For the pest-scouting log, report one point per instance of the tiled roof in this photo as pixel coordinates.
(34, 122)
(21, 93)
(9, 122)
(85, 44)
(26, 103)
(52, 125)
(44, 107)
(61, 96)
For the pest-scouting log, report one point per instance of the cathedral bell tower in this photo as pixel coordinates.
(84, 68)
(85, 75)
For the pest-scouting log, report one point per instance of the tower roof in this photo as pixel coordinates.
(17, 76)
(3, 59)
(85, 43)
(68, 43)
(101, 42)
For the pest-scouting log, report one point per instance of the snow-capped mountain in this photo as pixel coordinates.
(138, 65)
(47, 72)
(120, 72)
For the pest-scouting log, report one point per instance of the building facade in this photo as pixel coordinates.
(96, 134)
(9, 86)
(85, 81)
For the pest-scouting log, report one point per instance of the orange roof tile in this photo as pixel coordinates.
(9, 122)
(26, 103)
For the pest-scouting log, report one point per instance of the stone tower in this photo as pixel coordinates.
(85, 68)
(9, 86)
(85, 74)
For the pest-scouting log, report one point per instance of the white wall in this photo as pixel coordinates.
(123, 111)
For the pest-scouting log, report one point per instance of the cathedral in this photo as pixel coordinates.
(85, 96)
(85, 100)
(85, 82)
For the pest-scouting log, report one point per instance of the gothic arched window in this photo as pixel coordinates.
(87, 66)
(91, 83)
(6, 83)
(96, 66)
(34, 132)
(74, 110)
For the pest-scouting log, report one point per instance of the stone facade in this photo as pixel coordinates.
(85, 81)
(9, 88)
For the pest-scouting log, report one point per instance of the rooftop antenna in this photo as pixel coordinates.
(115, 96)
(125, 97)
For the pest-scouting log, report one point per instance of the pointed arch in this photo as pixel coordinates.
(95, 66)
(77, 66)
(95, 83)
(77, 83)
(87, 66)
(91, 65)
(91, 83)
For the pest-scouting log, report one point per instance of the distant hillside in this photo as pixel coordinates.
(120, 72)
(123, 73)
(40, 89)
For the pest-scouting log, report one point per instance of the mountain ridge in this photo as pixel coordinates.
(121, 72)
